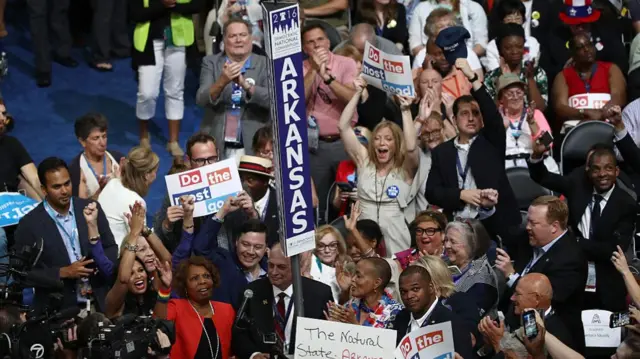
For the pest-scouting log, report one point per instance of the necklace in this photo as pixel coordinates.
(204, 330)
(379, 199)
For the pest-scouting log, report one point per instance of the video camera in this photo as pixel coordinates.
(17, 274)
(129, 338)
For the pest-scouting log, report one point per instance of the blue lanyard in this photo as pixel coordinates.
(104, 166)
(587, 83)
(517, 131)
(236, 93)
(462, 173)
(456, 278)
(282, 322)
(70, 237)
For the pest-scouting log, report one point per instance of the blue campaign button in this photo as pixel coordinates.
(393, 191)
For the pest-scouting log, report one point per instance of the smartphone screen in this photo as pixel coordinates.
(619, 319)
(529, 324)
(546, 139)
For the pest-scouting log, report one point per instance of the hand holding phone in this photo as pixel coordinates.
(529, 324)
(619, 319)
(542, 145)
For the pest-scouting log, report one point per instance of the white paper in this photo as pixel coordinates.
(589, 100)
(390, 73)
(332, 340)
(210, 185)
(597, 333)
(430, 342)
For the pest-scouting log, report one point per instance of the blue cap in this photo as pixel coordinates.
(452, 42)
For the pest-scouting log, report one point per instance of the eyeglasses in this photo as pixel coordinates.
(433, 135)
(514, 94)
(266, 153)
(205, 161)
(428, 231)
(331, 246)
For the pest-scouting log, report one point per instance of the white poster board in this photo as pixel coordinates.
(210, 185)
(390, 73)
(589, 100)
(430, 342)
(323, 339)
(597, 333)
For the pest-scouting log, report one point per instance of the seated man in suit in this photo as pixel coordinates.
(554, 252)
(474, 161)
(423, 307)
(272, 309)
(533, 291)
(601, 214)
(78, 247)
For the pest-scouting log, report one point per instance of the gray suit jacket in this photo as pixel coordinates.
(255, 112)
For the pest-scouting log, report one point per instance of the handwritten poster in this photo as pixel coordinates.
(430, 342)
(210, 186)
(332, 340)
(390, 73)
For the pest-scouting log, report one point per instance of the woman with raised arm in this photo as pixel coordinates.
(386, 169)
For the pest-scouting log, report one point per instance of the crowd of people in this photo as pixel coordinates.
(417, 220)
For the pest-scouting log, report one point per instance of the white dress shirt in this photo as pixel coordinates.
(415, 324)
(261, 205)
(289, 293)
(585, 221)
(462, 150)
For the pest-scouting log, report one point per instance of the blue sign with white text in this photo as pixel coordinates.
(14, 206)
(291, 151)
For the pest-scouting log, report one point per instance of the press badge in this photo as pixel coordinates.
(313, 133)
(591, 278)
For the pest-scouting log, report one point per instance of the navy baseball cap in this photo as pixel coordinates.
(452, 42)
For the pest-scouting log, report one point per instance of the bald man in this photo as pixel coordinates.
(362, 33)
(533, 291)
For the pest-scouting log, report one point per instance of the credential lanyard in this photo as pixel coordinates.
(462, 173)
(70, 237)
(519, 127)
(282, 322)
(587, 83)
(104, 166)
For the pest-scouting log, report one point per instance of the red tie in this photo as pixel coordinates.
(281, 312)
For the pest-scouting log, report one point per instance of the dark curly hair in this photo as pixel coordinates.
(179, 284)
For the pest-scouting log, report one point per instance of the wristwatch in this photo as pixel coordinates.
(330, 80)
(146, 232)
(131, 247)
(474, 78)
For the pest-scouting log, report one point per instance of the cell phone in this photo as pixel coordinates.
(529, 324)
(619, 319)
(455, 270)
(345, 186)
(546, 139)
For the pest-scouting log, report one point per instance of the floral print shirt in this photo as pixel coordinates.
(381, 316)
(491, 82)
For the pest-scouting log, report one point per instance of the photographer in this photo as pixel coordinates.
(134, 291)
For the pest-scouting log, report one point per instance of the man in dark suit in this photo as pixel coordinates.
(78, 247)
(533, 291)
(554, 252)
(601, 214)
(423, 307)
(272, 310)
(462, 169)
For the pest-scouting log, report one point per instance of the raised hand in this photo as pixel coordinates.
(350, 222)
(538, 149)
(620, 261)
(491, 332)
(359, 83)
(136, 217)
(91, 214)
(174, 213)
(343, 278)
(164, 269)
(463, 65)
(230, 71)
(188, 204)
(503, 262)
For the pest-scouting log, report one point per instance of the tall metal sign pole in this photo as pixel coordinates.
(283, 45)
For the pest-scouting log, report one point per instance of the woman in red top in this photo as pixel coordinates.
(346, 174)
(585, 75)
(203, 327)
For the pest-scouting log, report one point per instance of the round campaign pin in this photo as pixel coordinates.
(535, 23)
(535, 15)
(393, 191)
(250, 81)
(599, 46)
(567, 44)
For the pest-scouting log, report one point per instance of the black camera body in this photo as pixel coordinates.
(129, 338)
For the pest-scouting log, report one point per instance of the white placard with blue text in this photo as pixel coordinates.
(14, 206)
(210, 185)
(429, 342)
(390, 73)
(290, 142)
(323, 339)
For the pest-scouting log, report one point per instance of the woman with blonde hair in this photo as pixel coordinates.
(331, 251)
(137, 173)
(386, 170)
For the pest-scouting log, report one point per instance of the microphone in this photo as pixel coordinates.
(248, 294)
(63, 314)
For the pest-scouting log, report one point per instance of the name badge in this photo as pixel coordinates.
(393, 191)
(591, 278)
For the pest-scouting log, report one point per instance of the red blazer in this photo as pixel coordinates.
(189, 328)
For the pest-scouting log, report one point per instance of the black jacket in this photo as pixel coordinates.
(486, 163)
(39, 225)
(440, 314)
(615, 228)
(246, 341)
(75, 170)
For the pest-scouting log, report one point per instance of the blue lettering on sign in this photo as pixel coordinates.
(200, 194)
(373, 71)
(213, 205)
(445, 356)
(401, 90)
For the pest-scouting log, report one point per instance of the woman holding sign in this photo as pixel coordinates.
(386, 170)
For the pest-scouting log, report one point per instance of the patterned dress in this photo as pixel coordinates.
(380, 316)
